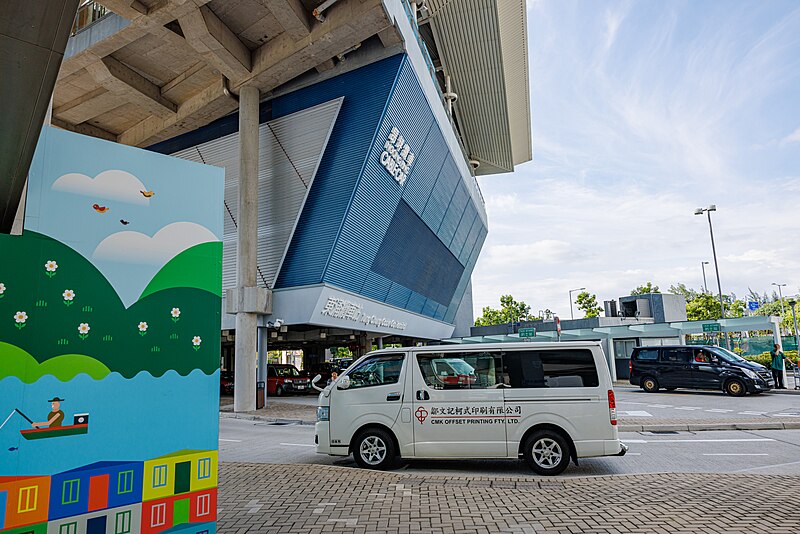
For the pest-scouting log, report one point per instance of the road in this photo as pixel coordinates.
(758, 452)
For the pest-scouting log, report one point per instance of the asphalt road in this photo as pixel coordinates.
(757, 452)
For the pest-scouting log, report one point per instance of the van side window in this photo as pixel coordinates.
(647, 354)
(676, 355)
(563, 368)
(376, 371)
(460, 370)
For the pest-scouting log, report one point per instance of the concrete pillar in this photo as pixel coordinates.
(612, 359)
(244, 399)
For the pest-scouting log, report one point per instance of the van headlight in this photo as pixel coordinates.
(323, 413)
(752, 374)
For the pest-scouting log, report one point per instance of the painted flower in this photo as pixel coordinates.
(196, 342)
(176, 314)
(21, 317)
(50, 267)
(68, 295)
(83, 330)
(142, 328)
(2, 289)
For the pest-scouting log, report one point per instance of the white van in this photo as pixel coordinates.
(546, 402)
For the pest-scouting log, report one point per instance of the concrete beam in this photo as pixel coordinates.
(291, 15)
(128, 84)
(129, 9)
(207, 34)
(85, 129)
(347, 23)
(325, 66)
(390, 37)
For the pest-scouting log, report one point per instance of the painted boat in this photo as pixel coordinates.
(42, 433)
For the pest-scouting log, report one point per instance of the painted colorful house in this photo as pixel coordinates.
(186, 509)
(95, 487)
(180, 472)
(40, 528)
(119, 520)
(24, 502)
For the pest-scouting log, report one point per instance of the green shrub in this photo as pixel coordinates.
(765, 359)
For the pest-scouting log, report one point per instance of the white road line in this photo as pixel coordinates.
(719, 410)
(735, 454)
(688, 408)
(232, 440)
(752, 413)
(629, 402)
(633, 454)
(765, 467)
(299, 444)
(731, 440)
(635, 413)
(659, 406)
(786, 415)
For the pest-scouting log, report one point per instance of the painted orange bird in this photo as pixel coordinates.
(147, 194)
(100, 209)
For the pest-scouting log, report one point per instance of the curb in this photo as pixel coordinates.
(252, 417)
(792, 425)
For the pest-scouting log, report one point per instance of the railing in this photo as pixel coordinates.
(88, 13)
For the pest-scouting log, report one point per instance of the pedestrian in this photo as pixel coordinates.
(777, 366)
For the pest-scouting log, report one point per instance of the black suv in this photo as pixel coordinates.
(697, 367)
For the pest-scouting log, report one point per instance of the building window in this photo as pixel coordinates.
(159, 476)
(27, 499)
(122, 523)
(204, 468)
(70, 491)
(158, 515)
(203, 505)
(125, 482)
(68, 528)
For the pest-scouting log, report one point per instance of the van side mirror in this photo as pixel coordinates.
(314, 382)
(344, 382)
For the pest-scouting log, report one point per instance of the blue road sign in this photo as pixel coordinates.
(753, 305)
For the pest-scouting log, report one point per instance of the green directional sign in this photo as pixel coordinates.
(711, 327)
(527, 332)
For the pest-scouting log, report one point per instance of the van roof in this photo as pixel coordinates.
(461, 347)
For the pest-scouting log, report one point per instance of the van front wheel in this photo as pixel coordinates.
(735, 388)
(374, 449)
(547, 452)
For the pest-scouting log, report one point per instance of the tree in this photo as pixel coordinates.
(588, 303)
(686, 292)
(510, 311)
(645, 289)
(705, 306)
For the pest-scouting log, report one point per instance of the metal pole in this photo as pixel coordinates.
(792, 303)
(780, 296)
(716, 268)
(705, 284)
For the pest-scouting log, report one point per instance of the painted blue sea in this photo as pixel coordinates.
(137, 419)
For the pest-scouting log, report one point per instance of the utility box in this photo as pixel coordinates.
(261, 394)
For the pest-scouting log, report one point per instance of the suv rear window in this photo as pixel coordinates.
(646, 354)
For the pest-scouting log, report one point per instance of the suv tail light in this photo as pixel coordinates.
(630, 366)
(612, 408)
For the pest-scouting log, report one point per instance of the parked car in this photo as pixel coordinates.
(226, 382)
(697, 367)
(283, 379)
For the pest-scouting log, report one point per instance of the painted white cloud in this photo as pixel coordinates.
(139, 248)
(113, 184)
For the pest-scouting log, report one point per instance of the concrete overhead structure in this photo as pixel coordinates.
(375, 116)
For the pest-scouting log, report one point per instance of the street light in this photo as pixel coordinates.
(708, 210)
(571, 314)
(780, 295)
(703, 266)
(792, 303)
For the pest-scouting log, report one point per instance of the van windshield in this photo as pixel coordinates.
(727, 355)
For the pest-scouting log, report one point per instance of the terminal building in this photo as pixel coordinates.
(370, 121)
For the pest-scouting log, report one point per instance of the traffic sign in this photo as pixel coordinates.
(558, 326)
(711, 327)
(753, 305)
(527, 332)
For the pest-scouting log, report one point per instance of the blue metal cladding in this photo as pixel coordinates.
(353, 203)
(366, 91)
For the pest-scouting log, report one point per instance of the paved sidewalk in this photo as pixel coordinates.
(310, 499)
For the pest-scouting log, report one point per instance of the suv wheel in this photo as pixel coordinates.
(735, 388)
(374, 449)
(649, 384)
(547, 452)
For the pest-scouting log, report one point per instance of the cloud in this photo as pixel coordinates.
(112, 184)
(139, 248)
(793, 137)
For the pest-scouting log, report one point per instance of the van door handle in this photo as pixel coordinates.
(423, 395)
(393, 397)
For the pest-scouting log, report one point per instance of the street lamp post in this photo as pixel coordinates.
(780, 296)
(792, 303)
(571, 314)
(708, 210)
(703, 266)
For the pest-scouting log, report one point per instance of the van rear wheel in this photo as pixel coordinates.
(649, 384)
(547, 452)
(374, 449)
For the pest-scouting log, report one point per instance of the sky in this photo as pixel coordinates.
(641, 112)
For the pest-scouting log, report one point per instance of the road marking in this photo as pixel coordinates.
(635, 413)
(765, 467)
(299, 444)
(752, 413)
(629, 402)
(659, 406)
(232, 440)
(633, 454)
(786, 415)
(688, 408)
(735, 454)
(731, 440)
(719, 410)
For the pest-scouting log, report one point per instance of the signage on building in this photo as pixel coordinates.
(352, 311)
(752, 305)
(711, 327)
(527, 332)
(397, 157)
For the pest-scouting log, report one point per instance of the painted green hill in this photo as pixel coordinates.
(182, 271)
(18, 363)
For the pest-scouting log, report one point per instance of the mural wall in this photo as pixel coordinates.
(109, 343)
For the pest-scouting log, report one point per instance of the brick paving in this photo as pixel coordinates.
(312, 499)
